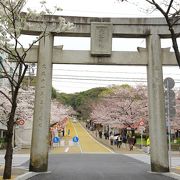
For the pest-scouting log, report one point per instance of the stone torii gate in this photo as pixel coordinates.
(101, 31)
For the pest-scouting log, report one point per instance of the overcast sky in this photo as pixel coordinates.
(105, 8)
(75, 78)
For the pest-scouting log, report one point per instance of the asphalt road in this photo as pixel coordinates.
(97, 167)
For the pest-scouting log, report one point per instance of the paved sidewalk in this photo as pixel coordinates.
(19, 158)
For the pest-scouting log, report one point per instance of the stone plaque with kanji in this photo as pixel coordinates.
(101, 38)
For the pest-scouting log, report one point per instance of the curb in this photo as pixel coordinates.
(168, 174)
(173, 175)
(29, 175)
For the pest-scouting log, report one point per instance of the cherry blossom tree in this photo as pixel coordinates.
(60, 111)
(59, 117)
(25, 104)
(12, 22)
(5, 105)
(24, 112)
(25, 107)
(175, 123)
(123, 107)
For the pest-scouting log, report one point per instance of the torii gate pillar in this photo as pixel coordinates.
(157, 124)
(41, 120)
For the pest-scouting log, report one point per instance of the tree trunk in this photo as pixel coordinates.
(8, 159)
(9, 148)
(10, 126)
(175, 47)
(9, 154)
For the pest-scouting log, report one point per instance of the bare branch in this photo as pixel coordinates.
(3, 122)
(37, 40)
(5, 11)
(175, 20)
(169, 6)
(6, 73)
(171, 20)
(176, 14)
(150, 2)
(6, 96)
(19, 5)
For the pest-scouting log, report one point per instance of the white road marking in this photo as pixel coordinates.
(66, 150)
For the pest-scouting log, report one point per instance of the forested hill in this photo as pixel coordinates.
(81, 101)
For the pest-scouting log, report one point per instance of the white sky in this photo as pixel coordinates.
(98, 8)
(69, 78)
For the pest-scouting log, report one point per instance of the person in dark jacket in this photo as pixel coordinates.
(131, 142)
(119, 141)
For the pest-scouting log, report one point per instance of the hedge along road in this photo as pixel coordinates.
(85, 144)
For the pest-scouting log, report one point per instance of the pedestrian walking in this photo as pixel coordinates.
(100, 134)
(124, 141)
(119, 141)
(111, 139)
(68, 132)
(148, 145)
(131, 142)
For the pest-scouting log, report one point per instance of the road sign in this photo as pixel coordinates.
(56, 139)
(20, 122)
(75, 139)
(172, 111)
(169, 83)
(141, 123)
(169, 93)
(170, 101)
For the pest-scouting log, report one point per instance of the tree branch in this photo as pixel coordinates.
(2, 122)
(7, 75)
(6, 96)
(169, 6)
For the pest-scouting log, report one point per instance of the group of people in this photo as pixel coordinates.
(123, 140)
